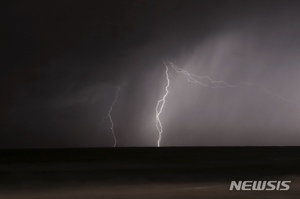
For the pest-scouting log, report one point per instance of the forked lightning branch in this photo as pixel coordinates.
(198, 80)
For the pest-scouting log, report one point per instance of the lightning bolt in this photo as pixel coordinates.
(211, 83)
(221, 84)
(109, 117)
(196, 79)
(268, 91)
(159, 108)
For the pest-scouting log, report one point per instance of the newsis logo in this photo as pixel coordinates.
(259, 185)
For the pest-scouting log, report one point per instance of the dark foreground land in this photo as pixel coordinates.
(177, 173)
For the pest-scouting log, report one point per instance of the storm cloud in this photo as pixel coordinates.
(64, 60)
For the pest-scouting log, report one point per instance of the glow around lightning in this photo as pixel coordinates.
(109, 117)
(197, 80)
(159, 108)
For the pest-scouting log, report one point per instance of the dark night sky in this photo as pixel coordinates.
(63, 60)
